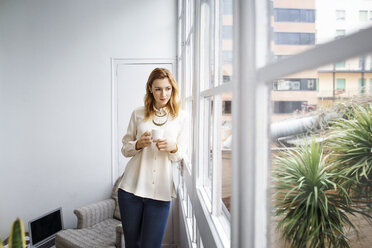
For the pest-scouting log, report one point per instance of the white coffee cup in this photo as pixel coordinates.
(157, 134)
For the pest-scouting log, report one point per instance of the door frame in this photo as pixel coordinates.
(115, 62)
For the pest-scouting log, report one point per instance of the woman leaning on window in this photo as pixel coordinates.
(156, 137)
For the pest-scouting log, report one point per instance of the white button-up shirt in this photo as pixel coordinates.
(149, 173)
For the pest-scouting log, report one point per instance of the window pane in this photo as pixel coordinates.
(226, 48)
(340, 64)
(361, 85)
(207, 45)
(191, 136)
(190, 66)
(340, 84)
(226, 145)
(340, 33)
(207, 141)
(295, 28)
(363, 15)
(300, 117)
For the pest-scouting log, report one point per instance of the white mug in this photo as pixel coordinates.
(157, 134)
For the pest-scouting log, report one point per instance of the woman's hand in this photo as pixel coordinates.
(144, 141)
(166, 146)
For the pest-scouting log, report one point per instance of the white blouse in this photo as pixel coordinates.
(149, 172)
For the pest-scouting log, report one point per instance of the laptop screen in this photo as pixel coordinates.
(45, 227)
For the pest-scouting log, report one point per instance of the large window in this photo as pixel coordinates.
(294, 15)
(206, 80)
(287, 84)
(363, 15)
(287, 38)
(253, 93)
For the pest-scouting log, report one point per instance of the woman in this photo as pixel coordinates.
(146, 188)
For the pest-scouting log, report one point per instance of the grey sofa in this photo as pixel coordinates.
(98, 226)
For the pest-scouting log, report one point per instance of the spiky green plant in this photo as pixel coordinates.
(17, 235)
(311, 205)
(1, 244)
(351, 143)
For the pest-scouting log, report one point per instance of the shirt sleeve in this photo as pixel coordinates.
(182, 141)
(129, 140)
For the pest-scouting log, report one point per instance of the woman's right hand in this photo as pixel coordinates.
(144, 141)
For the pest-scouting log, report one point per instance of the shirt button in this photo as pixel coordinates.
(153, 183)
(154, 170)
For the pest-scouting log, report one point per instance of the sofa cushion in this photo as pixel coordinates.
(100, 235)
(114, 195)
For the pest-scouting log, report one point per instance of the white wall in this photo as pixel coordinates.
(55, 96)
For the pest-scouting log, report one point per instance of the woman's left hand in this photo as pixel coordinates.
(166, 146)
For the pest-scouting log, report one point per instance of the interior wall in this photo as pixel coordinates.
(55, 96)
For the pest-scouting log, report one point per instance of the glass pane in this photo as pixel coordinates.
(207, 141)
(300, 25)
(191, 136)
(226, 48)
(226, 146)
(190, 65)
(207, 45)
(321, 130)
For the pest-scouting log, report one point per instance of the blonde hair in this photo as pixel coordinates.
(173, 104)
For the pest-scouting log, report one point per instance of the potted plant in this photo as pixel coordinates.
(351, 143)
(16, 236)
(311, 204)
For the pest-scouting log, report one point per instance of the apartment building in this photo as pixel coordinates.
(349, 77)
(293, 31)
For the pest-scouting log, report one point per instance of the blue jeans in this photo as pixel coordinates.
(144, 220)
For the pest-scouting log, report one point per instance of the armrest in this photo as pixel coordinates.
(94, 213)
(119, 234)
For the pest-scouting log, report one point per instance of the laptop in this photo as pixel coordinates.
(43, 229)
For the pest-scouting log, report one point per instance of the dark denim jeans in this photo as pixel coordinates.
(144, 220)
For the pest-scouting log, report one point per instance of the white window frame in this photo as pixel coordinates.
(250, 208)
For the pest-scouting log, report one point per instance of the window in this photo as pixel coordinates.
(340, 15)
(227, 57)
(207, 185)
(227, 32)
(363, 15)
(294, 15)
(285, 38)
(362, 62)
(311, 84)
(211, 97)
(278, 57)
(340, 84)
(289, 84)
(340, 33)
(361, 86)
(285, 107)
(226, 107)
(340, 64)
